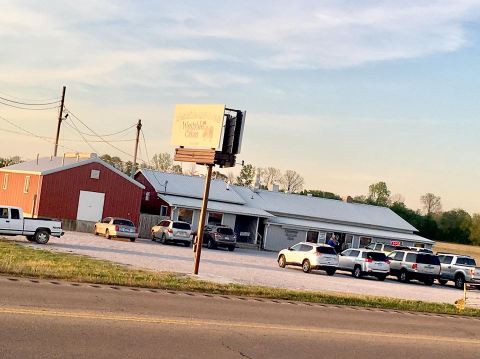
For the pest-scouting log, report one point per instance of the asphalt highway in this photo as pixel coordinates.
(50, 319)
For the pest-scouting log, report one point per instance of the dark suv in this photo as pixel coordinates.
(219, 236)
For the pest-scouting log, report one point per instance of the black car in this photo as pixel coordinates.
(219, 236)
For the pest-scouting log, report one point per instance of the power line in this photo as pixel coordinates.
(31, 100)
(109, 134)
(83, 138)
(28, 108)
(146, 150)
(29, 104)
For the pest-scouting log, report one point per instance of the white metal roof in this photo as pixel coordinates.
(190, 186)
(358, 230)
(48, 165)
(194, 203)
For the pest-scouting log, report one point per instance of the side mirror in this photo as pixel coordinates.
(289, 248)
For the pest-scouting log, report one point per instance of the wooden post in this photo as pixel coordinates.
(201, 223)
(134, 165)
(60, 119)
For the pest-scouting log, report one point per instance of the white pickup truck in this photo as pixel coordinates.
(12, 223)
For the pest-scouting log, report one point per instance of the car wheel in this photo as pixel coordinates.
(381, 278)
(429, 281)
(95, 231)
(231, 248)
(442, 281)
(331, 272)
(186, 244)
(403, 276)
(164, 239)
(459, 281)
(42, 236)
(306, 266)
(281, 261)
(107, 234)
(357, 272)
(210, 244)
(132, 239)
(30, 238)
(153, 237)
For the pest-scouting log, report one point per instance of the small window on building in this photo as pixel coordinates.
(365, 241)
(5, 181)
(215, 218)
(95, 174)
(312, 236)
(26, 186)
(14, 213)
(147, 196)
(164, 211)
(185, 215)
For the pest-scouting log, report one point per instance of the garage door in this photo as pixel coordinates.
(90, 206)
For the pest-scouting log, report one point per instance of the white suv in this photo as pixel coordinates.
(309, 256)
(172, 231)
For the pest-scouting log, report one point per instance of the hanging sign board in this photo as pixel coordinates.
(198, 126)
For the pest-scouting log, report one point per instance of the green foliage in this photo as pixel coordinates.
(455, 226)
(220, 176)
(8, 161)
(246, 176)
(379, 194)
(321, 194)
(162, 162)
(426, 225)
(475, 230)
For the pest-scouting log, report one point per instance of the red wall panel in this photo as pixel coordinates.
(152, 206)
(14, 195)
(60, 193)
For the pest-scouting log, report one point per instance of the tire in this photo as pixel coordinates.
(30, 238)
(132, 239)
(164, 239)
(281, 261)
(403, 277)
(429, 282)
(459, 281)
(330, 272)
(306, 267)
(357, 272)
(95, 231)
(42, 236)
(382, 277)
(231, 248)
(186, 244)
(211, 244)
(153, 237)
(107, 234)
(442, 281)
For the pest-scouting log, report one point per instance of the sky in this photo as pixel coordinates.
(347, 93)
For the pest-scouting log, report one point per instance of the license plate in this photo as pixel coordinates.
(182, 234)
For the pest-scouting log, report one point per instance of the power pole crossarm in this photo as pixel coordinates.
(60, 117)
(134, 166)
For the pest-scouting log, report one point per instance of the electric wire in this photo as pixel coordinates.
(28, 108)
(74, 127)
(146, 149)
(56, 99)
(109, 134)
(29, 104)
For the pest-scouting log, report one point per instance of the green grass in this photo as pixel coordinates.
(19, 260)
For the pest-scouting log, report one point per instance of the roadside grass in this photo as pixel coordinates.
(473, 251)
(19, 260)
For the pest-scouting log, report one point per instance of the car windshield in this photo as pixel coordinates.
(377, 256)
(326, 250)
(428, 259)
(225, 231)
(123, 222)
(181, 225)
(388, 248)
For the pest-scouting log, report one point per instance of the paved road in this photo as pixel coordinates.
(49, 319)
(241, 266)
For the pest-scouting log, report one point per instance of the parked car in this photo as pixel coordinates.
(421, 250)
(310, 256)
(13, 223)
(219, 236)
(172, 231)
(408, 265)
(384, 247)
(364, 262)
(112, 227)
(458, 268)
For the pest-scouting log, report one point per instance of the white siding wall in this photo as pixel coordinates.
(278, 239)
(229, 220)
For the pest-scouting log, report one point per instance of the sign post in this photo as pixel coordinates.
(207, 135)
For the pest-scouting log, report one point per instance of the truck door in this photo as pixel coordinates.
(4, 220)
(16, 221)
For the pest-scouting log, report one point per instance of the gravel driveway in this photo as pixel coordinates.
(242, 266)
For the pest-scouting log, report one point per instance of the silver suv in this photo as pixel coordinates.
(407, 265)
(172, 231)
(364, 261)
(458, 268)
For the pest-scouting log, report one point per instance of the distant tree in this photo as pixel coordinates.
(475, 229)
(177, 169)
(8, 161)
(455, 226)
(426, 225)
(162, 162)
(379, 194)
(127, 167)
(292, 181)
(219, 176)
(397, 198)
(114, 161)
(321, 194)
(192, 171)
(269, 176)
(360, 199)
(431, 204)
(246, 176)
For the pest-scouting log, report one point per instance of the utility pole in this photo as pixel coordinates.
(134, 166)
(60, 118)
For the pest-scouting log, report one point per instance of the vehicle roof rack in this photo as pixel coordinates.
(454, 254)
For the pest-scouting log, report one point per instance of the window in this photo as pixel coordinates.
(398, 256)
(14, 213)
(380, 257)
(427, 259)
(305, 248)
(464, 261)
(106, 220)
(164, 211)
(354, 253)
(446, 259)
(215, 218)
(378, 247)
(185, 215)
(312, 236)
(346, 253)
(365, 241)
(26, 186)
(123, 222)
(411, 258)
(388, 248)
(5, 181)
(4, 213)
(180, 225)
(225, 231)
(147, 196)
(95, 174)
(326, 250)
(296, 247)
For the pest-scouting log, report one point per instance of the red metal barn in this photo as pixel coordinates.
(151, 203)
(81, 189)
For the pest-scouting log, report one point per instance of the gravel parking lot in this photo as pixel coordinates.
(242, 266)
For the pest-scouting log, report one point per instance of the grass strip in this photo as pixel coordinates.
(19, 260)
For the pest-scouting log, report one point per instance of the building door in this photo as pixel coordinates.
(90, 206)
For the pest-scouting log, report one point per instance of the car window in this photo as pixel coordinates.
(14, 213)
(123, 222)
(326, 250)
(425, 258)
(445, 259)
(346, 253)
(399, 256)
(411, 257)
(305, 248)
(296, 247)
(225, 230)
(370, 246)
(378, 246)
(106, 220)
(466, 261)
(376, 256)
(181, 225)
(388, 248)
(4, 213)
(354, 253)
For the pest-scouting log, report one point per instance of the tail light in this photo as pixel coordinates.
(170, 230)
(387, 261)
(117, 228)
(216, 235)
(318, 254)
(368, 260)
(414, 266)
